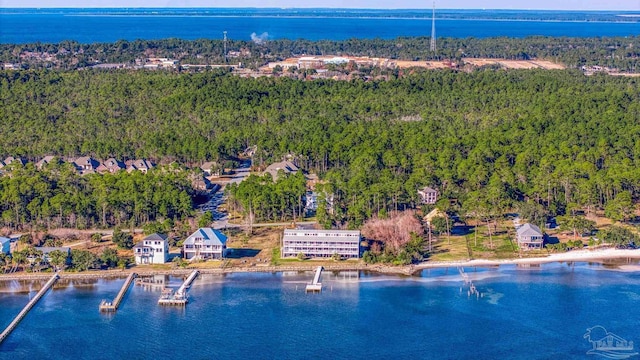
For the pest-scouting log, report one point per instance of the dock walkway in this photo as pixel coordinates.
(180, 296)
(315, 285)
(112, 306)
(28, 307)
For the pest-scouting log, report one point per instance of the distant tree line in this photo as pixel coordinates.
(618, 52)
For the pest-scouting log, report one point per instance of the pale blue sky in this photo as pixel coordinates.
(365, 4)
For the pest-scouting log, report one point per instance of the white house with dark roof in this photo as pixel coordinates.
(321, 243)
(205, 243)
(285, 166)
(529, 236)
(428, 195)
(153, 249)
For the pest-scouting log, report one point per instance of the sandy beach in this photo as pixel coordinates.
(409, 270)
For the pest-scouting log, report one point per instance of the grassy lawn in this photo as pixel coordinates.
(464, 247)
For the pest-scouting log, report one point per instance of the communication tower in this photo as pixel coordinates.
(432, 46)
(225, 45)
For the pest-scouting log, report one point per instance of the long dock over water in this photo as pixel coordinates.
(180, 296)
(112, 306)
(28, 307)
(315, 285)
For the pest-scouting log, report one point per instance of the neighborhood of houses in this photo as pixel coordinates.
(211, 244)
(85, 164)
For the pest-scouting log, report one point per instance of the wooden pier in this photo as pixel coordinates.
(112, 306)
(315, 285)
(28, 307)
(180, 296)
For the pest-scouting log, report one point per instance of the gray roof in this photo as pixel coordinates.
(45, 160)
(48, 249)
(528, 230)
(428, 189)
(86, 160)
(139, 164)
(209, 235)
(287, 166)
(156, 237)
(208, 165)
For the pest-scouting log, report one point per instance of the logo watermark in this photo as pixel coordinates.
(608, 345)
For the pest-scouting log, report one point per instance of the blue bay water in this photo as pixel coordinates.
(112, 25)
(523, 314)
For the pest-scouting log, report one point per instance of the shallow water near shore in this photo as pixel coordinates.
(537, 312)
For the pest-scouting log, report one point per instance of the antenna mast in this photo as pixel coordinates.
(225, 46)
(432, 46)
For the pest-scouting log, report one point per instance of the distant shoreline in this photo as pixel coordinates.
(408, 270)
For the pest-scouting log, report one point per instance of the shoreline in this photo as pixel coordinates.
(407, 270)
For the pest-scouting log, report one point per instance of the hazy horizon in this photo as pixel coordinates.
(551, 5)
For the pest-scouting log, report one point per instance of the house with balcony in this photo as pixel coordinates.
(529, 236)
(428, 195)
(153, 249)
(205, 244)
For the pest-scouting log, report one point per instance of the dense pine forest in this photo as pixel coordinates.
(488, 139)
(622, 53)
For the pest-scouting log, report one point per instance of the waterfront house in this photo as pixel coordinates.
(205, 243)
(428, 195)
(111, 165)
(142, 165)
(286, 167)
(153, 249)
(321, 243)
(5, 245)
(86, 165)
(529, 236)
(46, 250)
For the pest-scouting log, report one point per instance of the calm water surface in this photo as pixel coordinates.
(95, 25)
(536, 313)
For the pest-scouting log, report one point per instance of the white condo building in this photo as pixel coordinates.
(321, 243)
(154, 249)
